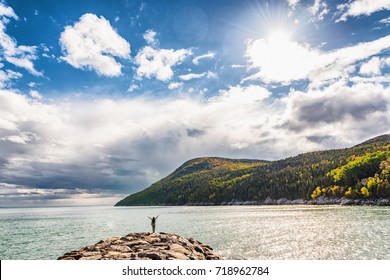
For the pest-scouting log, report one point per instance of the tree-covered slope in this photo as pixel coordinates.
(361, 171)
(196, 180)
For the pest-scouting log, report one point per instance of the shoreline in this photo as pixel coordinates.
(318, 201)
(284, 201)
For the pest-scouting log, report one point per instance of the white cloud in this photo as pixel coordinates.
(142, 7)
(281, 60)
(341, 111)
(7, 12)
(35, 94)
(25, 61)
(361, 7)
(52, 56)
(21, 138)
(239, 95)
(372, 67)
(385, 21)
(292, 3)
(319, 10)
(372, 80)
(6, 76)
(132, 88)
(20, 56)
(207, 55)
(64, 143)
(155, 62)
(191, 76)
(21, 195)
(175, 85)
(129, 143)
(149, 37)
(158, 63)
(92, 43)
(203, 91)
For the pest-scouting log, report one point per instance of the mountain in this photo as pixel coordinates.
(192, 181)
(362, 171)
(377, 140)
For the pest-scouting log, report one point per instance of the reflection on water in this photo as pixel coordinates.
(236, 232)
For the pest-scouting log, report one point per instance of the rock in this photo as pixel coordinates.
(298, 201)
(121, 248)
(199, 249)
(144, 246)
(152, 239)
(175, 255)
(150, 255)
(91, 254)
(282, 201)
(345, 201)
(91, 248)
(383, 202)
(74, 255)
(137, 242)
(112, 255)
(268, 201)
(90, 258)
(179, 249)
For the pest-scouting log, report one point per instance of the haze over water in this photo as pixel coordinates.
(235, 232)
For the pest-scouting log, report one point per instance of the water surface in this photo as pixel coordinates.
(236, 232)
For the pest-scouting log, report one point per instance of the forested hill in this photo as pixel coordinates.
(192, 181)
(362, 171)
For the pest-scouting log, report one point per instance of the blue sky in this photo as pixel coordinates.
(99, 99)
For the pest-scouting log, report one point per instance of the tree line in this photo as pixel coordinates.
(362, 171)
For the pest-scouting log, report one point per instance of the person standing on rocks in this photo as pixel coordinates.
(153, 219)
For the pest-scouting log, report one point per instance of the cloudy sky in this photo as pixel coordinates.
(99, 98)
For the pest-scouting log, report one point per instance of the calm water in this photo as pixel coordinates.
(253, 232)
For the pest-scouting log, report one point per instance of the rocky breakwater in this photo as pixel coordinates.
(144, 246)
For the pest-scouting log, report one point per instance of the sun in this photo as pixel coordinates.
(279, 37)
(280, 58)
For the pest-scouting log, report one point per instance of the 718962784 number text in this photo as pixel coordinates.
(253, 270)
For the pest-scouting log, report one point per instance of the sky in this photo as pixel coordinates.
(99, 99)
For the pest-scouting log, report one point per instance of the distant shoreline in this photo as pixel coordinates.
(284, 201)
(318, 201)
